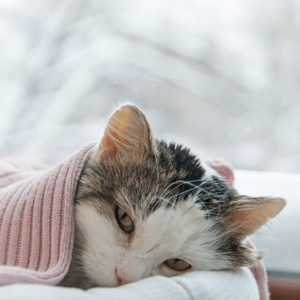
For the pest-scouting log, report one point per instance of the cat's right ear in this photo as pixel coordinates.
(248, 214)
(127, 138)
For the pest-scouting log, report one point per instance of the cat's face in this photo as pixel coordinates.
(144, 208)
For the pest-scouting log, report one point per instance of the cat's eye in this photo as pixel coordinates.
(177, 264)
(124, 221)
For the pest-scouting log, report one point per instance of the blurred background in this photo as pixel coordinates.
(220, 76)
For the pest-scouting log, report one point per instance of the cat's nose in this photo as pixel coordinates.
(121, 277)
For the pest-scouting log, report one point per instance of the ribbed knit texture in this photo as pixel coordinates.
(36, 219)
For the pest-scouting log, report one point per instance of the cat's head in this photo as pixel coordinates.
(145, 207)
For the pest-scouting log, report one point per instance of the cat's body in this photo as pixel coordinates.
(144, 207)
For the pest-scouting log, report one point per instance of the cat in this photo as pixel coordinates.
(145, 207)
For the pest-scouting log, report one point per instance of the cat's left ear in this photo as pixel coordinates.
(127, 137)
(248, 214)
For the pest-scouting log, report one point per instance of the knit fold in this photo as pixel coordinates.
(37, 218)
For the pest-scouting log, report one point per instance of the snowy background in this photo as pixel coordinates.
(220, 76)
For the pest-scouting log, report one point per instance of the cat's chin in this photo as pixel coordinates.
(105, 285)
(90, 283)
(101, 282)
(93, 283)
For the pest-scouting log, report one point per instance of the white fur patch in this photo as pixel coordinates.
(181, 232)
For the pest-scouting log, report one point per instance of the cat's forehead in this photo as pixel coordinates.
(173, 178)
(179, 161)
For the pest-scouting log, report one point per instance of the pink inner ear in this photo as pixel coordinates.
(223, 168)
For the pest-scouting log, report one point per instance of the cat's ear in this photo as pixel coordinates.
(127, 137)
(247, 214)
(223, 168)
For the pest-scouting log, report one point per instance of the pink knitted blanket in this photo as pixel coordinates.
(36, 219)
(37, 222)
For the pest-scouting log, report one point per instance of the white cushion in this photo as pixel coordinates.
(194, 285)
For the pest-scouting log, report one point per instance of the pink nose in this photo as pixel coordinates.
(121, 277)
